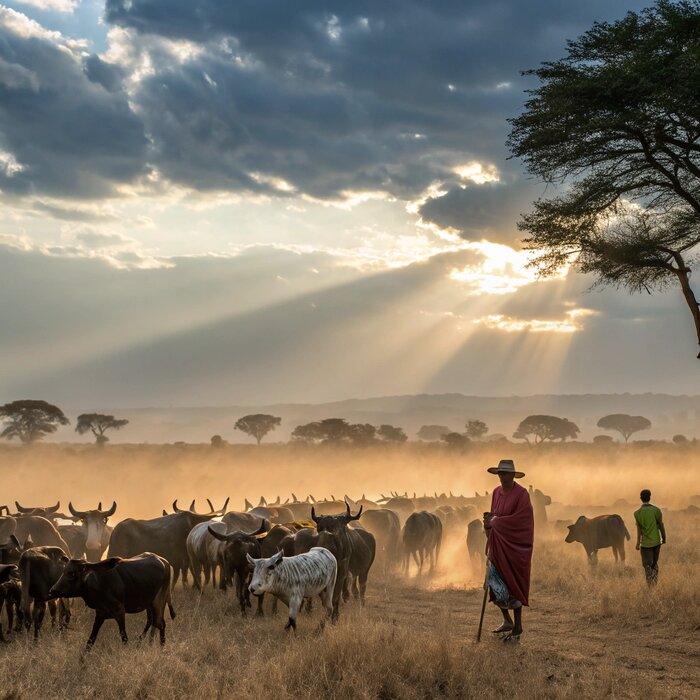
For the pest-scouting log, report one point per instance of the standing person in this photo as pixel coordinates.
(651, 534)
(510, 529)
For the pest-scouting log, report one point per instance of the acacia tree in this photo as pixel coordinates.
(335, 430)
(432, 432)
(543, 428)
(390, 433)
(624, 424)
(618, 120)
(98, 424)
(455, 441)
(30, 420)
(257, 425)
(476, 429)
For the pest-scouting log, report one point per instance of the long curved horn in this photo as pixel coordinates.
(347, 509)
(260, 530)
(211, 505)
(277, 502)
(296, 500)
(313, 515)
(20, 509)
(175, 508)
(76, 513)
(355, 517)
(191, 508)
(108, 513)
(99, 506)
(248, 505)
(262, 502)
(225, 506)
(220, 536)
(53, 509)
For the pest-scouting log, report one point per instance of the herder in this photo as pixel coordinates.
(510, 529)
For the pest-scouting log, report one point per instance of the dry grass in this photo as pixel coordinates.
(589, 633)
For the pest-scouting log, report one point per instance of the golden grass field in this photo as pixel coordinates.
(588, 633)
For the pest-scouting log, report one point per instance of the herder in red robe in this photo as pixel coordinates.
(510, 529)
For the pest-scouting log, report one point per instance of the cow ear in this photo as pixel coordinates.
(277, 558)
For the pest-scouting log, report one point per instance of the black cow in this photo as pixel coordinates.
(165, 536)
(385, 525)
(235, 564)
(364, 548)
(421, 536)
(599, 533)
(39, 569)
(10, 596)
(476, 542)
(117, 586)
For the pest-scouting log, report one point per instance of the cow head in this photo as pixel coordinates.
(10, 551)
(95, 524)
(238, 547)
(335, 523)
(575, 530)
(50, 512)
(263, 576)
(71, 583)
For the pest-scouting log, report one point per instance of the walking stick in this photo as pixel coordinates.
(483, 603)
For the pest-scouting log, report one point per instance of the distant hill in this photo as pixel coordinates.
(669, 415)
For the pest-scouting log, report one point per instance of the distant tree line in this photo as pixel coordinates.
(30, 420)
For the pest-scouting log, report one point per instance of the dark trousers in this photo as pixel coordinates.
(650, 562)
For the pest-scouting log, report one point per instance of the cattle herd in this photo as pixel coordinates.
(292, 550)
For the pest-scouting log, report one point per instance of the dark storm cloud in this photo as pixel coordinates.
(69, 135)
(335, 96)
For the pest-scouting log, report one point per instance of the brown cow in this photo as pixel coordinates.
(599, 533)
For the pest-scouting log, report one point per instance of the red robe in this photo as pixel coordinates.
(511, 537)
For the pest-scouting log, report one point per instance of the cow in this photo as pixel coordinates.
(165, 536)
(90, 539)
(42, 532)
(291, 579)
(362, 502)
(364, 548)
(421, 537)
(476, 542)
(204, 553)
(233, 550)
(39, 569)
(539, 501)
(49, 512)
(384, 524)
(401, 505)
(117, 586)
(10, 596)
(599, 533)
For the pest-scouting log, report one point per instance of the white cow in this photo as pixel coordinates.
(206, 553)
(291, 579)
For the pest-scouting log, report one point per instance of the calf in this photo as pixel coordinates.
(291, 579)
(116, 586)
(39, 569)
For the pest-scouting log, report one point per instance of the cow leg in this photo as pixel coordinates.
(39, 612)
(240, 593)
(149, 622)
(176, 573)
(614, 549)
(260, 612)
(120, 617)
(363, 586)
(9, 606)
(622, 552)
(196, 574)
(294, 604)
(52, 612)
(64, 614)
(346, 587)
(99, 620)
(185, 568)
(310, 605)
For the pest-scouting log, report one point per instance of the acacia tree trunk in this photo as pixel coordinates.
(683, 274)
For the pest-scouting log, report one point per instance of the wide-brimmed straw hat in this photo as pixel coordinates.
(506, 466)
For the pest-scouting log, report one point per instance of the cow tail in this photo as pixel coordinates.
(627, 534)
(168, 598)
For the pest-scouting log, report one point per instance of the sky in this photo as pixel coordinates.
(214, 203)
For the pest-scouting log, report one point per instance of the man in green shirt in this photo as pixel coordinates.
(651, 534)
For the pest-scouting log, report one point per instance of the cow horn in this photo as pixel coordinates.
(219, 536)
(294, 497)
(211, 506)
(53, 509)
(262, 501)
(165, 512)
(175, 508)
(108, 513)
(313, 515)
(277, 502)
(311, 499)
(76, 513)
(191, 508)
(286, 500)
(20, 509)
(225, 506)
(347, 509)
(248, 505)
(355, 517)
(260, 530)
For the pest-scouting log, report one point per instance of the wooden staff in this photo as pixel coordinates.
(483, 603)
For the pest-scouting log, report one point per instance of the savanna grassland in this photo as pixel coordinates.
(588, 633)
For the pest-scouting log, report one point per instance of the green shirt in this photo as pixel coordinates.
(648, 519)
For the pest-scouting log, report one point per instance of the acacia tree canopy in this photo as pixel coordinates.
(432, 432)
(98, 423)
(257, 425)
(618, 120)
(30, 420)
(391, 433)
(542, 427)
(331, 430)
(476, 429)
(624, 424)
